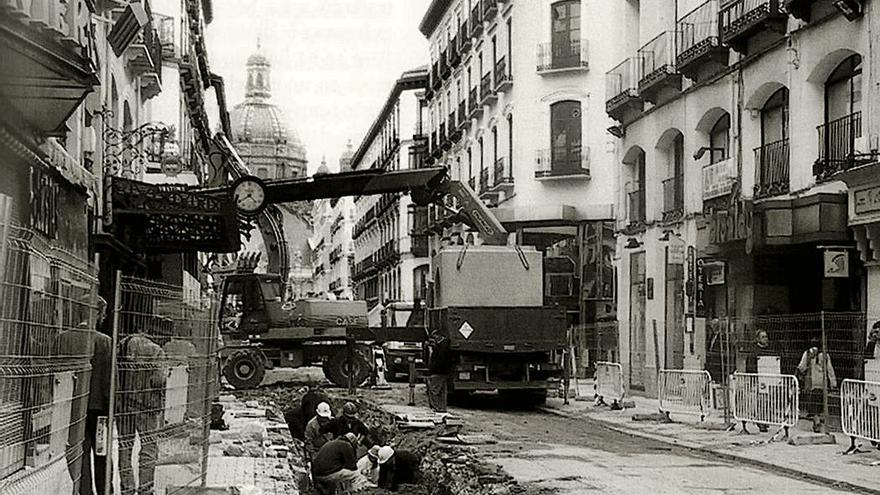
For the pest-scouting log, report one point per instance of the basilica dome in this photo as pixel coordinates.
(259, 128)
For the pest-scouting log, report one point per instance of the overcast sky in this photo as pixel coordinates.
(333, 61)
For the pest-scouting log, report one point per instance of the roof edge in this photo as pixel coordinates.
(433, 16)
(418, 76)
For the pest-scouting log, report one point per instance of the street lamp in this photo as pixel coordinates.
(703, 149)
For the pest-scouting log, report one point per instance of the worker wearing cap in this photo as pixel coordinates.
(348, 422)
(335, 466)
(397, 467)
(314, 439)
(368, 465)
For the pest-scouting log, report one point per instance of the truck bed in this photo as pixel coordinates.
(494, 329)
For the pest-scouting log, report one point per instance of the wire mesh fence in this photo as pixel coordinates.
(47, 322)
(593, 342)
(167, 377)
(820, 349)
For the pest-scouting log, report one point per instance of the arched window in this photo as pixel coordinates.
(843, 113)
(771, 158)
(673, 185)
(565, 18)
(636, 189)
(719, 140)
(565, 136)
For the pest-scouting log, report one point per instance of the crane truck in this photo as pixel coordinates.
(487, 300)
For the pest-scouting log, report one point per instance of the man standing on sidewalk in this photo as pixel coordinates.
(439, 366)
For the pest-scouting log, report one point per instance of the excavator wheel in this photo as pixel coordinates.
(336, 368)
(244, 369)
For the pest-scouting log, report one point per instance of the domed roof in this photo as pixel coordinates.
(323, 169)
(262, 123)
(258, 59)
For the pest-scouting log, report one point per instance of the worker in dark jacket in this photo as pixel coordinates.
(439, 366)
(397, 467)
(335, 466)
(348, 422)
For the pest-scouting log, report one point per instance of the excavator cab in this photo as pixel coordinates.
(249, 302)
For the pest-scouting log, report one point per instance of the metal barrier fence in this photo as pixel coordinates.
(47, 321)
(860, 411)
(609, 382)
(684, 392)
(765, 399)
(593, 343)
(166, 380)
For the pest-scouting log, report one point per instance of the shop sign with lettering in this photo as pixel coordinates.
(700, 293)
(731, 224)
(866, 200)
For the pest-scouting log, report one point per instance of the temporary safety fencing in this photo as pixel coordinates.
(765, 399)
(167, 378)
(684, 392)
(47, 321)
(609, 382)
(860, 411)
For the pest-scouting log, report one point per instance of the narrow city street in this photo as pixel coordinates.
(547, 453)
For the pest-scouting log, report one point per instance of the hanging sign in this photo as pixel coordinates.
(836, 263)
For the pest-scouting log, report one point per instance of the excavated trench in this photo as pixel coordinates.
(445, 469)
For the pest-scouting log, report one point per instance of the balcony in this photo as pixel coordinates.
(484, 180)
(453, 53)
(165, 28)
(387, 255)
(563, 57)
(503, 78)
(719, 179)
(570, 163)
(454, 129)
(472, 183)
(143, 58)
(673, 198)
(621, 90)
(434, 143)
(657, 75)
(442, 138)
(636, 212)
(839, 147)
(463, 120)
(419, 245)
(490, 10)
(445, 70)
(436, 82)
(475, 109)
(699, 47)
(464, 38)
(741, 19)
(476, 20)
(49, 59)
(487, 92)
(771, 169)
(503, 174)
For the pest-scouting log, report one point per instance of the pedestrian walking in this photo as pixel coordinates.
(439, 366)
(98, 407)
(397, 467)
(761, 347)
(314, 439)
(335, 467)
(814, 367)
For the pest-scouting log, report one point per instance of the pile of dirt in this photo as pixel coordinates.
(445, 470)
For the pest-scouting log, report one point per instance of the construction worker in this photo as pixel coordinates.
(335, 467)
(397, 467)
(368, 465)
(439, 367)
(314, 439)
(348, 422)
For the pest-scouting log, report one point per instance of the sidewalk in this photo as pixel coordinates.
(252, 455)
(822, 463)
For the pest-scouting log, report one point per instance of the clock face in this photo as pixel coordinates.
(249, 196)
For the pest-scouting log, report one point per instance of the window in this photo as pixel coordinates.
(774, 118)
(510, 137)
(719, 140)
(566, 26)
(565, 135)
(494, 144)
(843, 113)
(771, 158)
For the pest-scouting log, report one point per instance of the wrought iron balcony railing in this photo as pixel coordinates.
(484, 180)
(464, 37)
(487, 92)
(476, 19)
(657, 59)
(503, 173)
(472, 183)
(462, 113)
(569, 162)
(636, 211)
(673, 198)
(837, 146)
(741, 19)
(561, 56)
(503, 78)
(490, 9)
(698, 39)
(621, 88)
(772, 169)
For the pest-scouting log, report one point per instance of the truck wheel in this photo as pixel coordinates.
(244, 369)
(336, 369)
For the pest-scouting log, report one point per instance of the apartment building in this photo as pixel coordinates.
(735, 121)
(332, 247)
(390, 247)
(512, 112)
